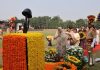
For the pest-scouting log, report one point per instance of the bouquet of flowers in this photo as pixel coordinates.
(75, 56)
(75, 51)
(51, 55)
(82, 35)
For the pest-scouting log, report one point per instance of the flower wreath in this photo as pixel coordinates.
(82, 35)
(74, 60)
(65, 66)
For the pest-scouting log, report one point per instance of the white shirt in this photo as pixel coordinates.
(77, 37)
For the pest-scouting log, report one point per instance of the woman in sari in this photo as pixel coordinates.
(61, 41)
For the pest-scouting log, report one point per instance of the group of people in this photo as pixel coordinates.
(12, 30)
(85, 37)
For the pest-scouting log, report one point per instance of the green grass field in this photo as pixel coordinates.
(52, 32)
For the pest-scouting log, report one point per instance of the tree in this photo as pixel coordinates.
(45, 21)
(34, 22)
(97, 24)
(55, 22)
(69, 24)
(80, 23)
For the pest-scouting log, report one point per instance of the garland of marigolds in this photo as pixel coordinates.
(65, 66)
(75, 61)
(35, 43)
(82, 35)
(14, 52)
(19, 54)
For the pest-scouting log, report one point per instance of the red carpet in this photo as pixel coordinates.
(97, 48)
(0, 50)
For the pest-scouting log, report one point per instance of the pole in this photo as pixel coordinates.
(25, 25)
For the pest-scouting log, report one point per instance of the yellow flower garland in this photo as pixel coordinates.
(84, 35)
(35, 44)
(35, 48)
(73, 59)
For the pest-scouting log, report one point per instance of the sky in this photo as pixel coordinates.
(66, 9)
